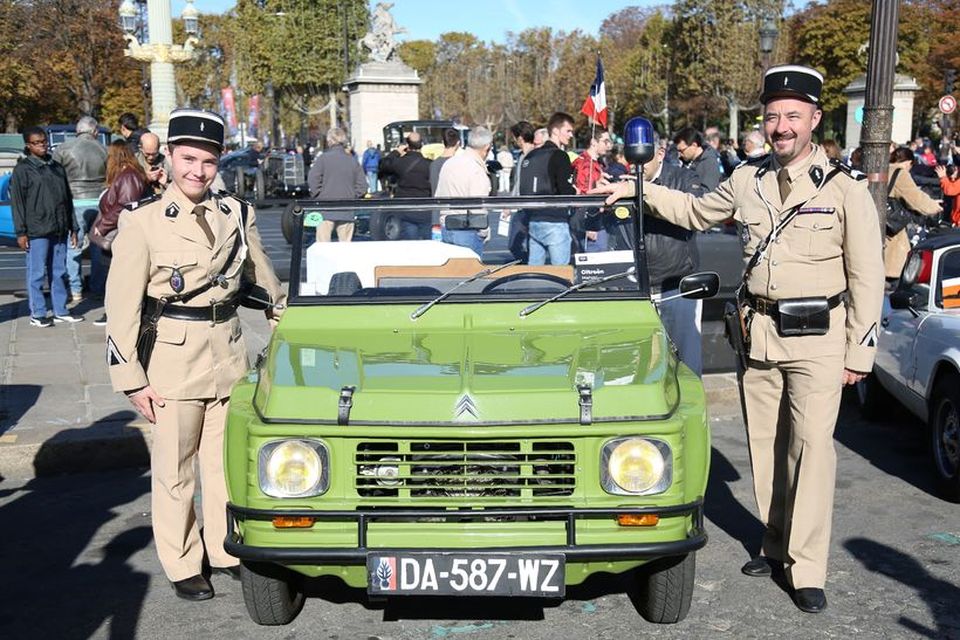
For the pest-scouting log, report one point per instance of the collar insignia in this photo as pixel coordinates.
(172, 210)
(816, 174)
(224, 207)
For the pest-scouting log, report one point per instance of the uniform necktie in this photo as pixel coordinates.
(783, 181)
(200, 212)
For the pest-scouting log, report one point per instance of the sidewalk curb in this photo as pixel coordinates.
(67, 452)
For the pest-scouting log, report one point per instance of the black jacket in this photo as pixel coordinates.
(411, 172)
(547, 171)
(41, 199)
(671, 250)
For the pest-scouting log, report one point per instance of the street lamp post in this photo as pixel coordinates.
(768, 39)
(161, 53)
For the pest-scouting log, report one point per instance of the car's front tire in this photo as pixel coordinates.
(289, 221)
(944, 426)
(665, 589)
(271, 593)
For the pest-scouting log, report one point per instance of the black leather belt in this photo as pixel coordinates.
(215, 313)
(768, 307)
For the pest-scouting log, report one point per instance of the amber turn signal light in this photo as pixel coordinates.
(291, 522)
(638, 519)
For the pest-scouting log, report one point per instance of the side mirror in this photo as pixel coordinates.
(698, 286)
(466, 221)
(904, 299)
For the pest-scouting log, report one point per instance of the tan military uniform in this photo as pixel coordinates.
(161, 250)
(792, 385)
(913, 198)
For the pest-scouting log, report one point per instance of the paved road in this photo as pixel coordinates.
(78, 562)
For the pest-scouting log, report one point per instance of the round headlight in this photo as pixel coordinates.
(293, 468)
(636, 465)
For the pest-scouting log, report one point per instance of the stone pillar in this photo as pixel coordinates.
(163, 84)
(904, 89)
(381, 93)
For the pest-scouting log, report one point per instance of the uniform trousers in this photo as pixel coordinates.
(791, 409)
(187, 431)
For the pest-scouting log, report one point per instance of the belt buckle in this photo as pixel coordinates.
(214, 316)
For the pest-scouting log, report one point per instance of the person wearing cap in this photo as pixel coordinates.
(827, 258)
(177, 265)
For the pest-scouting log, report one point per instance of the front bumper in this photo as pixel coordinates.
(696, 538)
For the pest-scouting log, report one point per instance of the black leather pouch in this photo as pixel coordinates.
(736, 331)
(803, 316)
(145, 341)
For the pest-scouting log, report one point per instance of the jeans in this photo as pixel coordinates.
(464, 238)
(99, 264)
(549, 237)
(372, 181)
(681, 319)
(74, 258)
(47, 255)
(415, 230)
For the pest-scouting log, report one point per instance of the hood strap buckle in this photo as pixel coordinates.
(344, 405)
(586, 404)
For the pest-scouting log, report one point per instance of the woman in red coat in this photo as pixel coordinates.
(126, 183)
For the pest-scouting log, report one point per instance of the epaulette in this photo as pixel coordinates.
(848, 170)
(130, 206)
(226, 194)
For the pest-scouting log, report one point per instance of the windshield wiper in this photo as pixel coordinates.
(422, 309)
(583, 285)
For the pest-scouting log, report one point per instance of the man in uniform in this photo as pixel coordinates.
(188, 248)
(829, 255)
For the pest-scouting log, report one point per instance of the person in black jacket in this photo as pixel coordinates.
(42, 220)
(411, 174)
(671, 254)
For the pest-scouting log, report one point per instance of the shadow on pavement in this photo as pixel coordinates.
(60, 580)
(94, 448)
(13, 310)
(940, 596)
(897, 446)
(724, 510)
(15, 401)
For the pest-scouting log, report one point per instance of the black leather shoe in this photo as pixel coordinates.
(810, 599)
(195, 588)
(761, 567)
(233, 572)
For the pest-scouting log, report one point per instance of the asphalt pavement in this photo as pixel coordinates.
(78, 562)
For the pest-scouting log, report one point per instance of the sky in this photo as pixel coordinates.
(489, 20)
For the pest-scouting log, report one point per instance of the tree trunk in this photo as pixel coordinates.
(733, 110)
(11, 121)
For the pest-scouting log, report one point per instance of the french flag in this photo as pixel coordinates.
(595, 106)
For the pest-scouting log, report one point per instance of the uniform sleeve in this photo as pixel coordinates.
(863, 262)
(913, 197)
(690, 212)
(258, 268)
(126, 285)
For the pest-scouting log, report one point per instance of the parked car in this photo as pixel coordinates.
(425, 420)
(918, 353)
(257, 176)
(57, 134)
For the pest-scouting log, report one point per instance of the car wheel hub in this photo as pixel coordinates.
(948, 426)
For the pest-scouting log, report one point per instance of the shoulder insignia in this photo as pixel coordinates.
(848, 170)
(172, 210)
(130, 206)
(223, 206)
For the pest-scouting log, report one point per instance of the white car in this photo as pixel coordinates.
(918, 353)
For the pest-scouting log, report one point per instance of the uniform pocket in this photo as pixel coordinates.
(170, 331)
(815, 221)
(175, 259)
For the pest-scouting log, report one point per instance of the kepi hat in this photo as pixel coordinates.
(792, 81)
(195, 125)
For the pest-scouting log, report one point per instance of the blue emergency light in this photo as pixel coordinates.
(638, 147)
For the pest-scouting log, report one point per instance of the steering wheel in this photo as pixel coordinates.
(514, 277)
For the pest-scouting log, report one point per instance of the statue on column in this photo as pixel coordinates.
(380, 40)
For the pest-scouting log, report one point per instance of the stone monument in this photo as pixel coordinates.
(385, 89)
(904, 88)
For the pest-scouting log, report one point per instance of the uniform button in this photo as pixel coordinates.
(773, 287)
(777, 240)
(816, 225)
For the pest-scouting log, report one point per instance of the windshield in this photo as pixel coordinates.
(414, 250)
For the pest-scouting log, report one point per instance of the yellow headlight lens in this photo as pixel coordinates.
(636, 465)
(293, 468)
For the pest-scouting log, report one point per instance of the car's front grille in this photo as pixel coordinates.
(443, 469)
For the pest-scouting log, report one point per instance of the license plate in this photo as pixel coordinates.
(470, 574)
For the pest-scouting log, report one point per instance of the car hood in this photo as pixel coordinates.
(469, 363)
